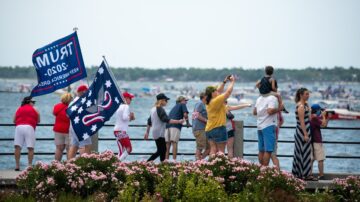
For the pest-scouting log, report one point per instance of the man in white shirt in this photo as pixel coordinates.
(265, 110)
(123, 117)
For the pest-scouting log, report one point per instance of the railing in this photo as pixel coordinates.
(239, 135)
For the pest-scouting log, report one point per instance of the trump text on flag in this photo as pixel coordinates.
(58, 65)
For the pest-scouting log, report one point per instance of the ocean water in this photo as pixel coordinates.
(141, 106)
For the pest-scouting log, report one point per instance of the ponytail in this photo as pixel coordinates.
(299, 92)
(208, 92)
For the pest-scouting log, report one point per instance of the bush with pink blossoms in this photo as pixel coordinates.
(141, 178)
(347, 189)
(81, 176)
(103, 176)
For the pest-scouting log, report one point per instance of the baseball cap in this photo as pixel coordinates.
(181, 98)
(162, 96)
(82, 88)
(128, 95)
(316, 107)
(28, 99)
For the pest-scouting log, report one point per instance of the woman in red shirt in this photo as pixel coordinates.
(26, 118)
(61, 126)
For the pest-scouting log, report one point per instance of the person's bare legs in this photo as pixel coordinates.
(59, 152)
(266, 158)
(221, 147)
(275, 161)
(198, 154)
(230, 147)
(30, 155)
(17, 155)
(261, 157)
(321, 168)
(67, 151)
(85, 149)
(72, 151)
(174, 150)
(206, 153)
(213, 147)
(167, 154)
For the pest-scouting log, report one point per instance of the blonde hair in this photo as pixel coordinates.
(66, 98)
(159, 103)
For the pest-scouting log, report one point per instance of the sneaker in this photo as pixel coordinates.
(322, 177)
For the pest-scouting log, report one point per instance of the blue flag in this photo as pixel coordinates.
(90, 112)
(58, 65)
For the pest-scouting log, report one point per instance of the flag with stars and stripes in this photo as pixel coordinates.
(90, 112)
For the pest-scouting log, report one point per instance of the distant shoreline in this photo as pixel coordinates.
(336, 74)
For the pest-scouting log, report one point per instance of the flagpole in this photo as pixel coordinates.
(75, 29)
(113, 77)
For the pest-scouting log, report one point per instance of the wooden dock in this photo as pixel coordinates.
(8, 180)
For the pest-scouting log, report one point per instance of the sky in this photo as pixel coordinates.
(187, 33)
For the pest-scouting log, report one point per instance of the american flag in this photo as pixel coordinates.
(90, 112)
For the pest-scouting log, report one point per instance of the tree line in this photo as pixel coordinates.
(309, 74)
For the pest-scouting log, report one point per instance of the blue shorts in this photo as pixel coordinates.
(74, 141)
(217, 135)
(267, 139)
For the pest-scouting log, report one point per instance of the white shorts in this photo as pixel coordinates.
(319, 151)
(24, 135)
(61, 139)
(172, 135)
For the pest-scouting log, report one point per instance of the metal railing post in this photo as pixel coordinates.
(95, 143)
(239, 139)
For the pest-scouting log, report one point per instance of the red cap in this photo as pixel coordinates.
(128, 95)
(82, 88)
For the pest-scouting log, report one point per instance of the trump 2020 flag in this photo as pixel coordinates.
(58, 65)
(90, 112)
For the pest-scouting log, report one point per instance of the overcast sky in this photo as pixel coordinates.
(188, 33)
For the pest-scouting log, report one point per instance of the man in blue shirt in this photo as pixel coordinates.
(172, 133)
(199, 119)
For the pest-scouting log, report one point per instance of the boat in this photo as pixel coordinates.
(341, 109)
(343, 114)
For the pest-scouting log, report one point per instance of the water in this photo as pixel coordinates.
(141, 106)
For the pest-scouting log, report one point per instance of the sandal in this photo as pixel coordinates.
(17, 169)
(311, 178)
(321, 177)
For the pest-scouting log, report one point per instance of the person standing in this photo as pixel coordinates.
(215, 127)
(158, 120)
(274, 158)
(83, 146)
(172, 133)
(230, 126)
(319, 119)
(303, 149)
(199, 119)
(122, 118)
(61, 126)
(280, 122)
(266, 110)
(26, 118)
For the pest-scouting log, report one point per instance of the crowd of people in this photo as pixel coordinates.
(212, 125)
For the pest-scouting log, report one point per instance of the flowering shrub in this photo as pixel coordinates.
(81, 176)
(347, 189)
(103, 177)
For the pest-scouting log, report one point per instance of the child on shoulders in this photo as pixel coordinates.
(268, 85)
